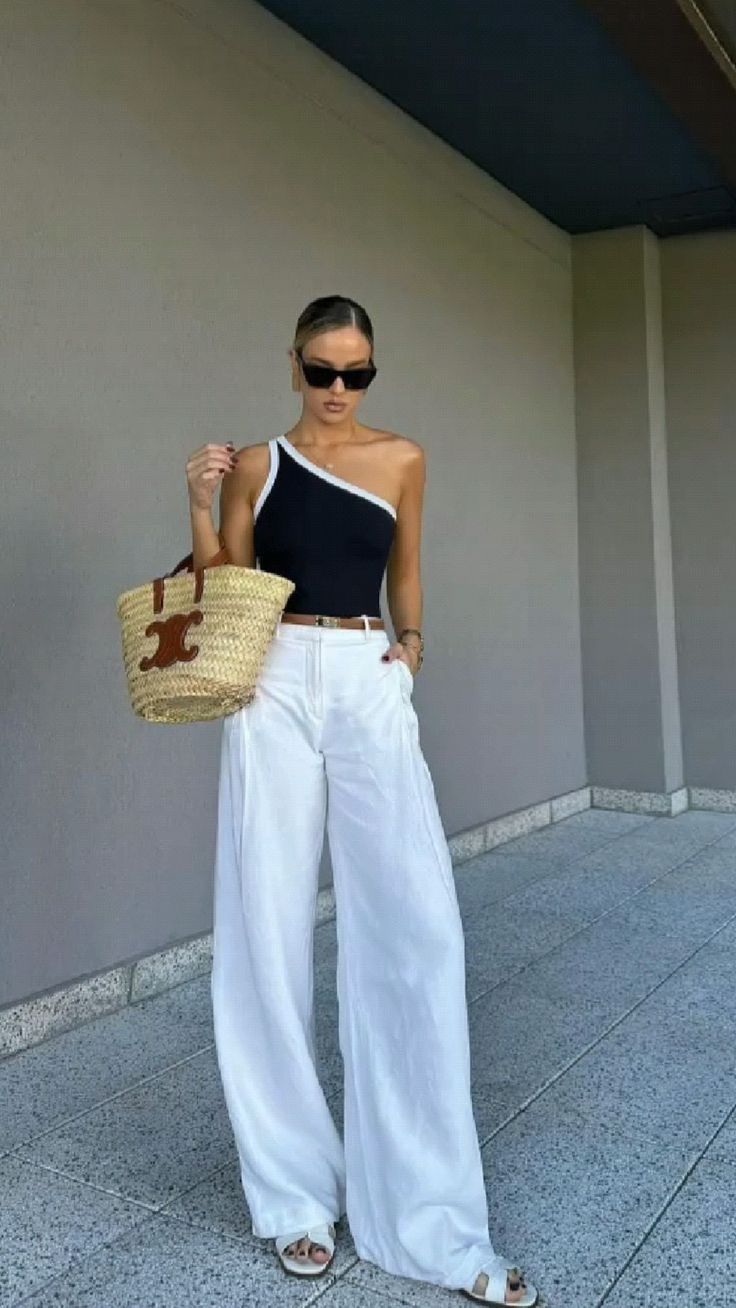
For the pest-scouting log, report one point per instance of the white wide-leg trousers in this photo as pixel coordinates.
(333, 734)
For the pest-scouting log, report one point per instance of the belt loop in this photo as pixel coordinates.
(366, 625)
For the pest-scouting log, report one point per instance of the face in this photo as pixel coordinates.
(344, 347)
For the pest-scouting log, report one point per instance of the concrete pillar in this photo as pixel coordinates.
(632, 712)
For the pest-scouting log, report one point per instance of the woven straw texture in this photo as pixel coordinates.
(200, 661)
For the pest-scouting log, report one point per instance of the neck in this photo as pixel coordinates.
(323, 435)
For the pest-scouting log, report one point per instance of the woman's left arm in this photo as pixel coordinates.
(403, 571)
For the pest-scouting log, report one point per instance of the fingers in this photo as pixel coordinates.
(205, 470)
(207, 466)
(393, 652)
(211, 458)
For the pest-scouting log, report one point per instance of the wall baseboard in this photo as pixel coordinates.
(40, 1017)
(718, 801)
(658, 803)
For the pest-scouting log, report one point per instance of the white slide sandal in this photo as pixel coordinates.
(495, 1292)
(323, 1234)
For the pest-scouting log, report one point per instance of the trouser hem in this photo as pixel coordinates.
(269, 1229)
(477, 1260)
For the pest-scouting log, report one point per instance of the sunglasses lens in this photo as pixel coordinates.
(358, 379)
(354, 379)
(319, 376)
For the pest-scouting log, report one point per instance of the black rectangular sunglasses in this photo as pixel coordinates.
(322, 377)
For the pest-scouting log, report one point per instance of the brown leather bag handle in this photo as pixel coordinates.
(186, 565)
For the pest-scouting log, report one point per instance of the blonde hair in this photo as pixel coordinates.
(329, 312)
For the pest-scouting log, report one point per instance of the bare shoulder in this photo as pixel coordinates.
(253, 461)
(253, 456)
(249, 474)
(410, 463)
(407, 451)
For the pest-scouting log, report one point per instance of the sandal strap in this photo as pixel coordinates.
(496, 1270)
(320, 1234)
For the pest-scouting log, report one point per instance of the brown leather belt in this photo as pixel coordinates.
(326, 620)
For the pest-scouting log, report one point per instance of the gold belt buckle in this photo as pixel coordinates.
(326, 620)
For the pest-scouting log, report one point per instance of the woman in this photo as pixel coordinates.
(332, 505)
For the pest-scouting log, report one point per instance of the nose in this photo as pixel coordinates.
(338, 386)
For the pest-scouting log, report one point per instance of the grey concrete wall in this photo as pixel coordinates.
(166, 216)
(632, 713)
(699, 316)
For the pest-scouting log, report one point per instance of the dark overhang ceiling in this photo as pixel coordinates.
(598, 113)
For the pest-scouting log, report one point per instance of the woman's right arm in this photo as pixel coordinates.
(206, 468)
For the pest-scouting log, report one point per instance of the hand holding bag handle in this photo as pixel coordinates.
(187, 565)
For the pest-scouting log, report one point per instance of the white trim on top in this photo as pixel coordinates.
(331, 477)
(273, 455)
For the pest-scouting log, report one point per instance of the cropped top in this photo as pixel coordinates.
(328, 536)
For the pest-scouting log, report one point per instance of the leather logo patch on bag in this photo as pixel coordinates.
(171, 634)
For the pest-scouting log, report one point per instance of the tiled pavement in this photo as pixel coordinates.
(601, 971)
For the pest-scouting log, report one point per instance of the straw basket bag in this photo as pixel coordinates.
(234, 612)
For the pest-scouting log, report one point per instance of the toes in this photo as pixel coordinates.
(305, 1249)
(515, 1284)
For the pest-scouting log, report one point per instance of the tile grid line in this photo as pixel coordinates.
(502, 850)
(579, 931)
(665, 1205)
(527, 1103)
(61, 1123)
(151, 1216)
